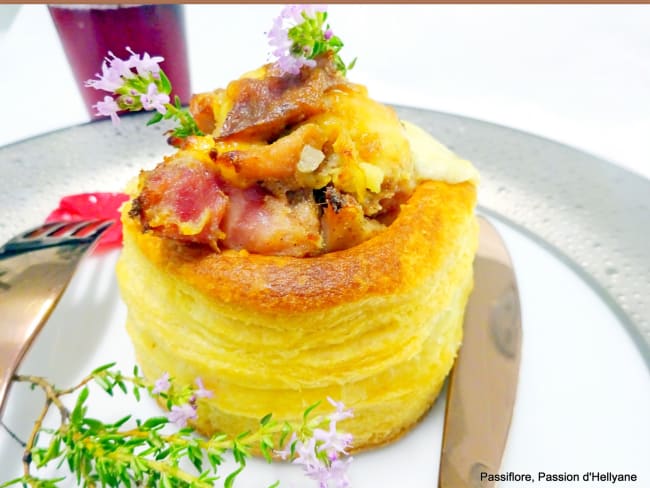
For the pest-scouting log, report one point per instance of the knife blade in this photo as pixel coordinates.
(483, 383)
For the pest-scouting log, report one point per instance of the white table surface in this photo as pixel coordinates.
(576, 74)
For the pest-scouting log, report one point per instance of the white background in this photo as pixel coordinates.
(576, 74)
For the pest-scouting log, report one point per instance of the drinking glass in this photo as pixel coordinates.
(89, 32)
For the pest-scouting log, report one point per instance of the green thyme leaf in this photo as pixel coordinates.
(165, 84)
(121, 422)
(102, 368)
(228, 482)
(309, 410)
(107, 454)
(154, 422)
(77, 414)
(157, 117)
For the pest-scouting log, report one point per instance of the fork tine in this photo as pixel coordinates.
(37, 231)
(63, 229)
(56, 234)
(53, 231)
(100, 226)
(105, 224)
(82, 229)
(79, 226)
(72, 228)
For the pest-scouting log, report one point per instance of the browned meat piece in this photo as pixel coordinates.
(264, 107)
(181, 199)
(343, 223)
(201, 110)
(277, 160)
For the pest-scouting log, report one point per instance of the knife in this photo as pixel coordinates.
(483, 383)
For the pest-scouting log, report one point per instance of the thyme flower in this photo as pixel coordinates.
(162, 384)
(201, 392)
(300, 34)
(113, 69)
(108, 108)
(180, 414)
(341, 412)
(154, 100)
(322, 453)
(146, 64)
(138, 83)
(333, 442)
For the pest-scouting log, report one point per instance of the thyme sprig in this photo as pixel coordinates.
(134, 452)
(300, 35)
(139, 83)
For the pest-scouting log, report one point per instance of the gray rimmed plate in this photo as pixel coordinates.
(587, 212)
(591, 213)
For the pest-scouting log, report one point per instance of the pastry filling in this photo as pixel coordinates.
(290, 164)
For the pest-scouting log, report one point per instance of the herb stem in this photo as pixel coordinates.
(51, 394)
(79, 385)
(109, 454)
(27, 453)
(153, 465)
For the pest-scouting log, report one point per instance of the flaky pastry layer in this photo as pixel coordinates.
(376, 326)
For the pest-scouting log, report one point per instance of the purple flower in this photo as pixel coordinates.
(120, 66)
(333, 469)
(292, 12)
(328, 34)
(341, 413)
(181, 414)
(162, 384)
(278, 36)
(286, 452)
(333, 442)
(338, 472)
(319, 473)
(313, 8)
(295, 12)
(292, 64)
(306, 454)
(108, 108)
(334, 472)
(145, 65)
(114, 71)
(202, 392)
(110, 79)
(153, 99)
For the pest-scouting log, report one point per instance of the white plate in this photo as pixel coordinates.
(584, 394)
(582, 405)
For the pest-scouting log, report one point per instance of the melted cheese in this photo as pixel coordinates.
(434, 161)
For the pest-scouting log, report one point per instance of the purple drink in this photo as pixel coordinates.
(88, 32)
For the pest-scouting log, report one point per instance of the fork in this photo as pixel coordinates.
(54, 234)
(35, 269)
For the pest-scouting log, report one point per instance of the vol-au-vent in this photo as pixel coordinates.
(302, 244)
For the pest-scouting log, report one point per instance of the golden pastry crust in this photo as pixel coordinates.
(425, 232)
(377, 325)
